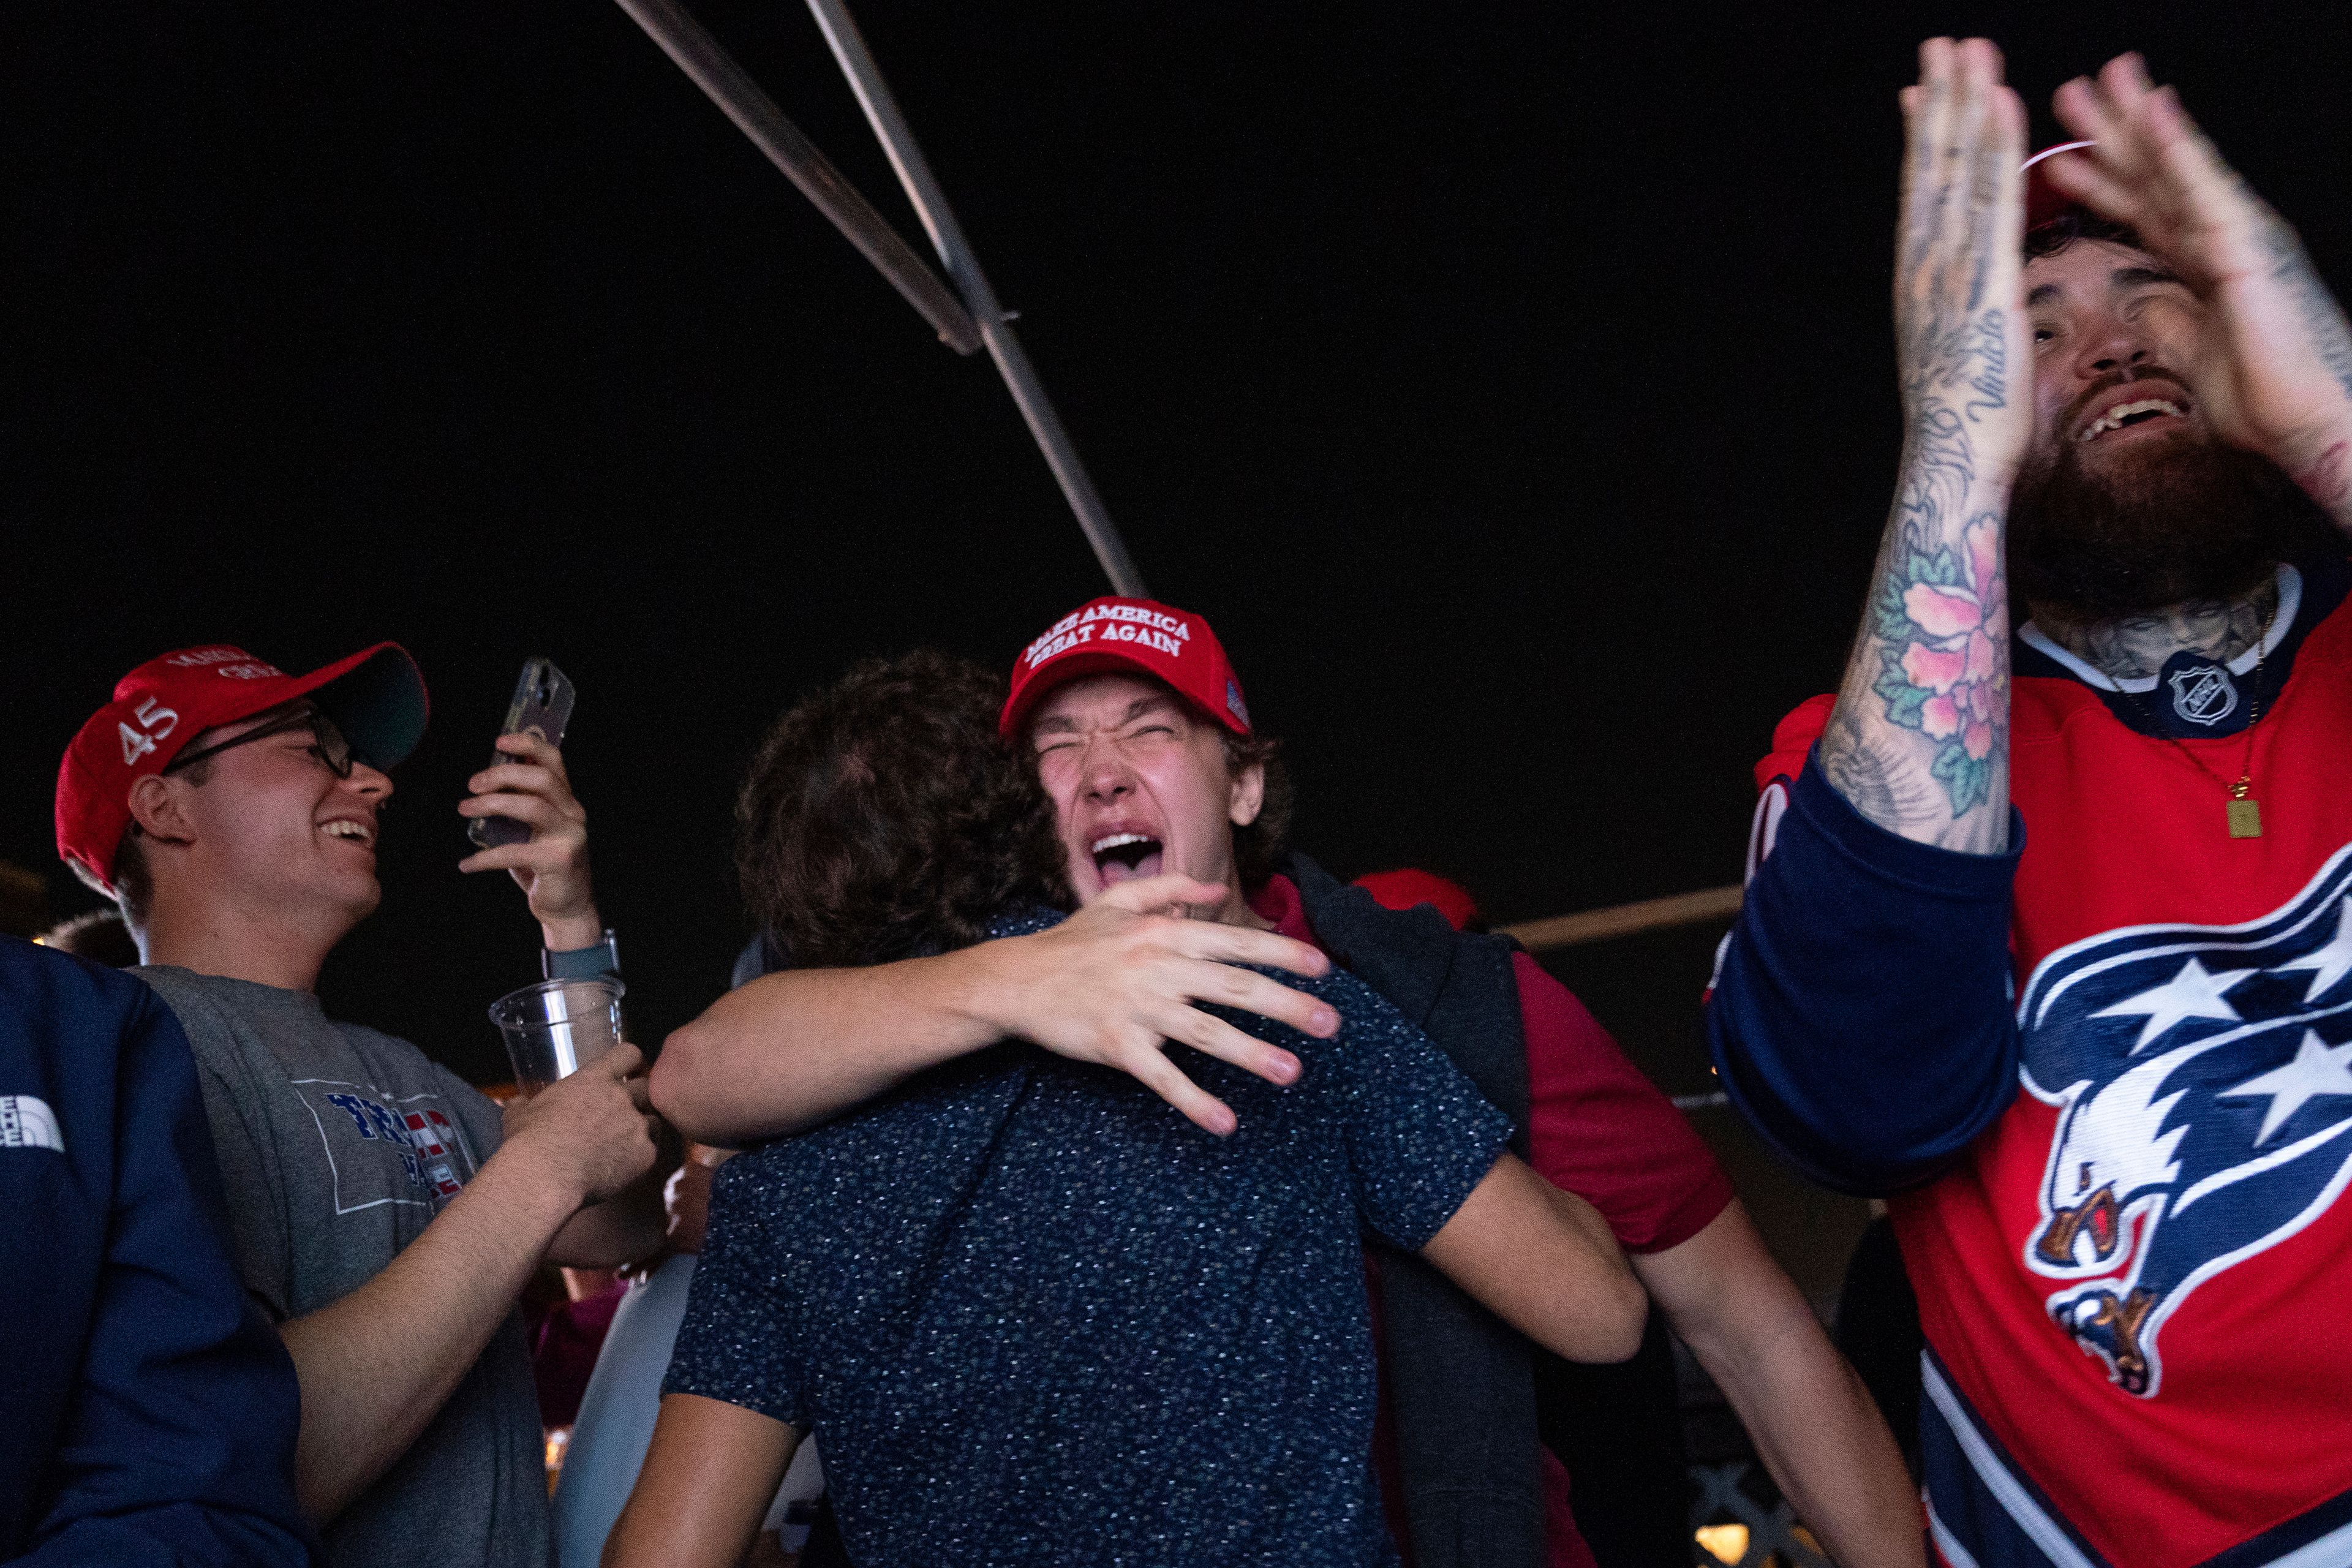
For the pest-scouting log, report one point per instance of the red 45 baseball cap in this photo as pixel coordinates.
(376, 698)
(1128, 637)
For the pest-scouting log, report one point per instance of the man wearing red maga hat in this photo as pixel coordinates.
(1166, 795)
(384, 1216)
(2099, 1070)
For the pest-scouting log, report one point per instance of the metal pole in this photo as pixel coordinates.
(963, 269)
(755, 114)
(1626, 919)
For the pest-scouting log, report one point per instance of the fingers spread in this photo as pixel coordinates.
(1243, 944)
(2106, 195)
(1215, 1037)
(1251, 993)
(2188, 158)
(1203, 1110)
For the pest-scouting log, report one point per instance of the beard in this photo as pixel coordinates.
(2180, 520)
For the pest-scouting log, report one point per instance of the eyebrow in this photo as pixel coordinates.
(2121, 278)
(1060, 725)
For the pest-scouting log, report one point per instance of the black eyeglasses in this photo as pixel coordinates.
(326, 743)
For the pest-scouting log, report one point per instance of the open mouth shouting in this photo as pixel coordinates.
(2133, 409)
(1125, 857)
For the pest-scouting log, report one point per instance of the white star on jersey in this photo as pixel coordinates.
(2318, 1070)
(2332, 963)
(2191, 994)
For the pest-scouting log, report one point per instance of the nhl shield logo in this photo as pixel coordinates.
(2203, 693)
(2203, 1081)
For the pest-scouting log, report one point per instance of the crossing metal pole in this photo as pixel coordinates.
(755, 114)
(964, 270)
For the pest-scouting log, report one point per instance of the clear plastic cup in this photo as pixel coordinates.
(556, 1027)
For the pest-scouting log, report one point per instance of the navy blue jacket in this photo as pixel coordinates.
(147, 1414)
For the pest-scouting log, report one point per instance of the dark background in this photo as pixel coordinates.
(1509, 384)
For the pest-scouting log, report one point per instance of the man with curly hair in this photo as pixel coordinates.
(1033, 1318)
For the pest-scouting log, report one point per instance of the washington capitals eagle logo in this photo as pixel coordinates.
(2203, 1081)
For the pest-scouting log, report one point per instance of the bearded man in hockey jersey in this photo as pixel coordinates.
(2050, 938)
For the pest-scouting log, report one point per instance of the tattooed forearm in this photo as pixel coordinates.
(2323, 319)
(1932, 662)
(1939, 622)
(1878, 787)
(1918, 741)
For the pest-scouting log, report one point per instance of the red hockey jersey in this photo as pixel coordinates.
(2137, 1284)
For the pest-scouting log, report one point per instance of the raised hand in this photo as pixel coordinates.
(2276, 378)
(1117, 981)
(1918, 741)
(1958, 332)
(551, 867)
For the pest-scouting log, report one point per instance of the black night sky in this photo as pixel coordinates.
(1510, 383)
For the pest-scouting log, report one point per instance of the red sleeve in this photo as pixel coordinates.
(1793, 738)
(1597, 1127)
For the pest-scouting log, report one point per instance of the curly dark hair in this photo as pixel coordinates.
(884, 816)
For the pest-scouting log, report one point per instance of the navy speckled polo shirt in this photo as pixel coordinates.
(1035, 1317)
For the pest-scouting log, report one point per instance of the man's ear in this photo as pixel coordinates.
(159, 807)
(1247, 797)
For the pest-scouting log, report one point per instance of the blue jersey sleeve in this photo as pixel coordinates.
(179, 1443)
(1861, 1019)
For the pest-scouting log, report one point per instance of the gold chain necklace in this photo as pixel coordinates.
(2244, 813)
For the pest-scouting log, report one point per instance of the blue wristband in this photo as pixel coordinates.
(592, 963)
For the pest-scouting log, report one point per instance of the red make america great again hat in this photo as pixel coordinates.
(376, 698)
(1128, 637)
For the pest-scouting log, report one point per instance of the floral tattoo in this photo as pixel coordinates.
(1942, 673)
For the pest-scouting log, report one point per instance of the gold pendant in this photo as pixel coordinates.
(2246, 819)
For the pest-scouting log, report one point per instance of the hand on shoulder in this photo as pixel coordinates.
(1119, 980)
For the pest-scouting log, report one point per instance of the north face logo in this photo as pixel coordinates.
(2203, 1078)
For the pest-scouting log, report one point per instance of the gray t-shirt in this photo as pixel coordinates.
(338, 1145)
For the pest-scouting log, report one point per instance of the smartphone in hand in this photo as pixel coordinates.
(541, 707)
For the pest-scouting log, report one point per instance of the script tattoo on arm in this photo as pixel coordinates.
(1918, 741)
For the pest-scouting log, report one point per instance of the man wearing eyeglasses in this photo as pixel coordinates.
(383, 1217)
